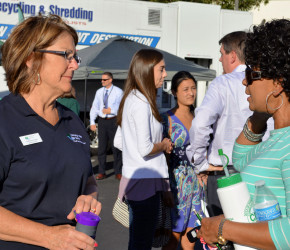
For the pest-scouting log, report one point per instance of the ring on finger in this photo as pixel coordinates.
(93, 210)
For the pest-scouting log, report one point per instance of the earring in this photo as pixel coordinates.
(38, 79)
(267, 104)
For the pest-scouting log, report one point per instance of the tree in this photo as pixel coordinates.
(244, 5)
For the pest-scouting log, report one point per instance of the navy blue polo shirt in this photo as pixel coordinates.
(43, 168)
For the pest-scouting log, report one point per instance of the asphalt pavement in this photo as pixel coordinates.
(111, 235)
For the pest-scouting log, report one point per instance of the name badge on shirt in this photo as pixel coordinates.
(30, 139)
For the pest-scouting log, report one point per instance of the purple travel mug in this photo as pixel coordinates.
(87, 223)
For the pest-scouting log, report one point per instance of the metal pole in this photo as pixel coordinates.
(236, 4)
(85, 101)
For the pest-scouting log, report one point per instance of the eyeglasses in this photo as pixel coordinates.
(103, 80)
(252, 75)
(66, 54)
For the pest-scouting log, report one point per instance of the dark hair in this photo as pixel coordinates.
(178, 78)
(268, 50)
(34, 33)
(235, 41)
(109, 74)
(141, 77)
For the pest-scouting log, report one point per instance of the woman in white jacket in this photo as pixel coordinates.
(139, 136)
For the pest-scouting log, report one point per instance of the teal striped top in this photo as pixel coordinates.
(270, 161)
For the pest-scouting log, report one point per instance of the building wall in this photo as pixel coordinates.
(189, 30)
(3, 85)
(198, 31)
(275, 9)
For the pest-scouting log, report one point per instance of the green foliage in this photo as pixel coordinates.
(20, 14)
(244, 5)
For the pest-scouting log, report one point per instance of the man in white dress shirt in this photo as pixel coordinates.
(222, 114)
(105, 107)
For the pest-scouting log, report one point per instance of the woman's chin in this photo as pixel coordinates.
(67, 88)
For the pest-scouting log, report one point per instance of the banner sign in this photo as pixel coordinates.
(91, 37)
(30, 9)
(75, 16)
(5, 30)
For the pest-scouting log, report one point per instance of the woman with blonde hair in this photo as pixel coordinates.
(46, 174)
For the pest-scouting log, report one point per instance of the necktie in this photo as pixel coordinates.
(106, 99)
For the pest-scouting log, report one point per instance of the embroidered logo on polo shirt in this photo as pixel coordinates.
(75, 138)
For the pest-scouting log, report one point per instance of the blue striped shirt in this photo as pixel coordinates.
(270, 161)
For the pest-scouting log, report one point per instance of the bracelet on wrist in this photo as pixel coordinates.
(221, 239)
(251, 136)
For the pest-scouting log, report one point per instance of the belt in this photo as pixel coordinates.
(230, 169)
(107, 118)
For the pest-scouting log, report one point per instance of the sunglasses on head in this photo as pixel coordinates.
(252, 75)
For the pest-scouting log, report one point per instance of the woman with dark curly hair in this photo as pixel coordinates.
(267, 83)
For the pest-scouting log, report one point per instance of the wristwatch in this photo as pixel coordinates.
(221, 239)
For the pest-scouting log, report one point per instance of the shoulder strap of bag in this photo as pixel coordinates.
(170, 125)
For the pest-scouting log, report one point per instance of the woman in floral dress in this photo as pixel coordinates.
(183, 180)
